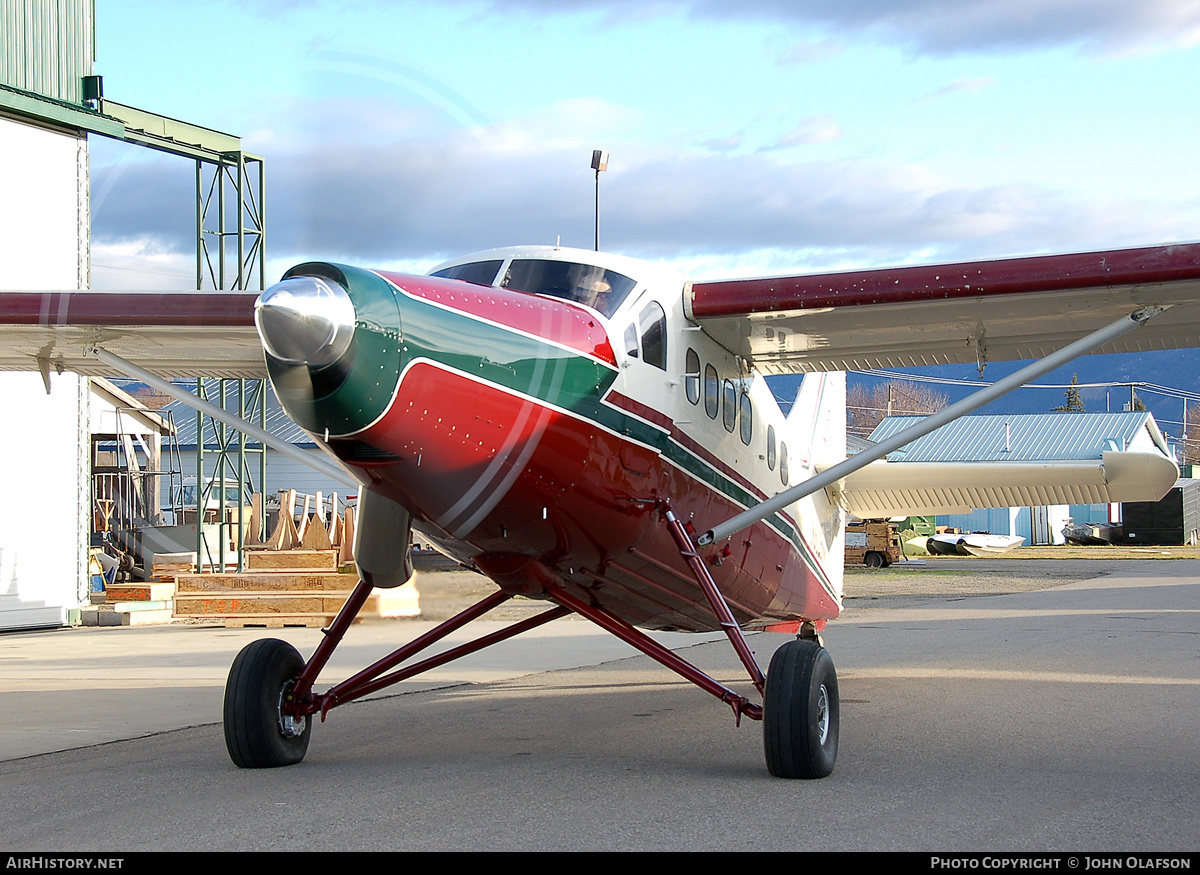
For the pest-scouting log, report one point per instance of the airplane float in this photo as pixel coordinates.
(595, 432)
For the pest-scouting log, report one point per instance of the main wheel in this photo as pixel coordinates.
(258, 734)
(800, 711)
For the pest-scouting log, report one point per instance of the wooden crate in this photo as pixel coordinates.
(292, 560)
(147, 591)
(265, 598)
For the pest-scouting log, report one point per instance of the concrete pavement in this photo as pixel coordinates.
(1061, 719)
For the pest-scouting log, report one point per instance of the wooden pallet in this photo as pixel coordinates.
(307, 621)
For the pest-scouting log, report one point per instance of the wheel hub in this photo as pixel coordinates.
(822, 715)
(290, 725)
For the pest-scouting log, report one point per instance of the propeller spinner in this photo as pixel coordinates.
(305, 320)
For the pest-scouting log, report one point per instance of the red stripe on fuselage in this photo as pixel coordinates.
(572, 326)
(640, 410)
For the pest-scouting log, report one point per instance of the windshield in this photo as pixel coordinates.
(482, 273)
(601, 289)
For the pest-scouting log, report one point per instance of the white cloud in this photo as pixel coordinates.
(140, 263)
(939, 26)
(366, 189)
(959, 86)
(811, 131)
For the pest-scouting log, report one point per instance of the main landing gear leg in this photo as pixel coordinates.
(269, 699)
(265, 722)
(800, 710)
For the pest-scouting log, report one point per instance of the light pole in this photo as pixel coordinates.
(599, 162)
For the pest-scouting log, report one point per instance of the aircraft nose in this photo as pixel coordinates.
(305, 320)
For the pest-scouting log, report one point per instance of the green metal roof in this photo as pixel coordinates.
(1024, 437)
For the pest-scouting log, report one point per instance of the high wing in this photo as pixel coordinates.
(1017, 308)
(180, 334)
(1050, 308)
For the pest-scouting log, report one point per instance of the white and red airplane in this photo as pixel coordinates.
(596, 432)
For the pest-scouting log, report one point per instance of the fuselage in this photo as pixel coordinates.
(535, 408)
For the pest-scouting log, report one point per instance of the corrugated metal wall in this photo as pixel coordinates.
(47, 46)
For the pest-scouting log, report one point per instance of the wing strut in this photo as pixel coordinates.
(1002, 387)
(328, 468)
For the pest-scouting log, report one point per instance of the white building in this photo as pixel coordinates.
(44, 504)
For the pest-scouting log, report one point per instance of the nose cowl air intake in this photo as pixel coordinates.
(305, 320)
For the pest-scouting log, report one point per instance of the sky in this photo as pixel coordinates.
(750, 138)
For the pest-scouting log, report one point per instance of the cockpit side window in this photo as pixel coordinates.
(601, 289)
(631, 341)
(482, 273)
(654, 335)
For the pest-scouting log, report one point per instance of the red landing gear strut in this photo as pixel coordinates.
(269, 698)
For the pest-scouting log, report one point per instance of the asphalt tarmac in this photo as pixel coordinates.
(1054, 719)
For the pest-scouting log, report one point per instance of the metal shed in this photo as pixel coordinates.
(1172, 520)
(1028, 438)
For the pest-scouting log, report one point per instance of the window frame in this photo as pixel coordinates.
(691, 379)
(712, 391)
(746, 418)
(729, 405)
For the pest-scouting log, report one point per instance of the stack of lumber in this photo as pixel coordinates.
(293, 578)
(279, 588)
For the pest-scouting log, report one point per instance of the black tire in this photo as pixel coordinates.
(873, 560)
(256, 733)
(800, 711)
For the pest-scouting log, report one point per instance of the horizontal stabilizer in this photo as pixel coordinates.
(884, 489)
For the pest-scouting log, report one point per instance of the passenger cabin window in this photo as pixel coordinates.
(783, 471)
(691, 376)
(712, 392)
(746, 418)
(771, 447)
(482, 273)
(730, 410)
(654, 335)
(601, 289)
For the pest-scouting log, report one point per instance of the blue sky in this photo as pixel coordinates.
(746, 138)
